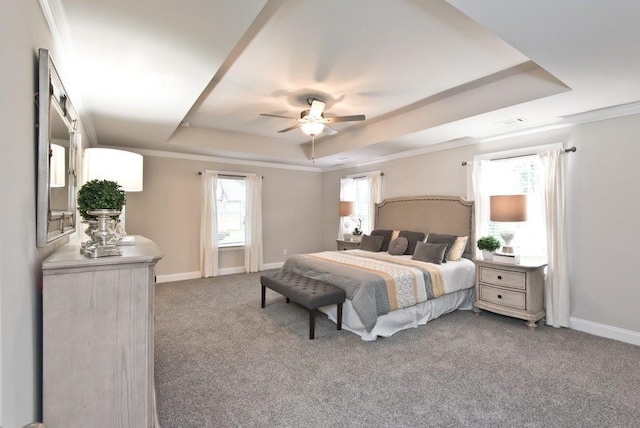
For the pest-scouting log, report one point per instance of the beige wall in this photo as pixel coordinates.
(168, 211)
(601, 208)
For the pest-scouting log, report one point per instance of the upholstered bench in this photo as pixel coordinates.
(307, 292)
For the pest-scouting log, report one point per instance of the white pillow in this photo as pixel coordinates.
(457, 249)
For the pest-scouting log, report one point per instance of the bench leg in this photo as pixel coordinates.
(312, 323)
(339, 316)
(263, 294)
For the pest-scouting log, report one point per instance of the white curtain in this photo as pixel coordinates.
(481, 198)
(253, 225)
(347, 193)
(556, 296)
(375, 197)
(208, 226)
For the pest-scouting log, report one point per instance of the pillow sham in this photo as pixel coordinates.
(386, 237)
(457, 250)
(432, 253)
(413, 238)
(371, 243)
(435, 238)
(398, 246)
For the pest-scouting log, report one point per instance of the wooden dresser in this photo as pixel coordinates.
(98, 348)
(516, 290)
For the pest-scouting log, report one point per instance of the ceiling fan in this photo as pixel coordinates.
(312, 121)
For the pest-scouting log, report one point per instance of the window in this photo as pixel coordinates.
(230, 206)
(362, 197)
(521, 175)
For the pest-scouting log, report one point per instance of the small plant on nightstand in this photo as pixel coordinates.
(488, 245)
(357, 232)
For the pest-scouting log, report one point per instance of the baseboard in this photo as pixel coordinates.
(224, 271)
(178, 277)
(603, 330)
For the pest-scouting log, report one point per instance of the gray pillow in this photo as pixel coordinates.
(386, 234)
(432, 253)
(371, 243)
(413, 238)
(398, 246)
(435, 238)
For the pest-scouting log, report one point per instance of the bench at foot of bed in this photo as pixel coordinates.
(307, 292)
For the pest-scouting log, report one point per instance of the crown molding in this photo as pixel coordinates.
(216, 159)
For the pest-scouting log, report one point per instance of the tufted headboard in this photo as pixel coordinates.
(429, 214)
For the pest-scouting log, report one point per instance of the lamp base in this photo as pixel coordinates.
(508, 249)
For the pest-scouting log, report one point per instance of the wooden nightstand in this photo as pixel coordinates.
(347, 245)
(515, 290)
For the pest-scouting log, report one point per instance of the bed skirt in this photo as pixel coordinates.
(402, 319)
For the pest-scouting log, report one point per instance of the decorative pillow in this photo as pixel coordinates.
(386, 238)
(432, 253)
(456, 251)
(435, 238)
(398, 246)
(413, 238)
(371, 243)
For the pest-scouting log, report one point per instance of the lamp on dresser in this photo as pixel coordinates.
(345, 211)
(508, 209)
(125, 168)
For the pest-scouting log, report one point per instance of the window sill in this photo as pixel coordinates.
(231, 248)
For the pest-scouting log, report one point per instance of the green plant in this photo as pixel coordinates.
(357, 230)
(100, 194)
(488, 243)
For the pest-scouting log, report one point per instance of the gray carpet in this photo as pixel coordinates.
(222, 361)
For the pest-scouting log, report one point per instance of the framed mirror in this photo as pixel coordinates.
(57, 156)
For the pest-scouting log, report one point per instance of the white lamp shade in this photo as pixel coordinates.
(312, 128)
(508, 208)
(125, 168)
(57, 170)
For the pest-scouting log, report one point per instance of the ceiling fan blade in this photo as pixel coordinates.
(291, 128)
(317, 107)
(353, 118)
(329, 130)
(277, 115)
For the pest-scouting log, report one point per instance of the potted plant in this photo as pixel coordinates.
(488, 245)
(357, 232)
(100, 195)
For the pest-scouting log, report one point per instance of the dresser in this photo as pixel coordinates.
(98, 348)
(347, 245)
(515, 290)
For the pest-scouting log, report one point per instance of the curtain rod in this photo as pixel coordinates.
(363, 176)
(231, 175)
(569, 150)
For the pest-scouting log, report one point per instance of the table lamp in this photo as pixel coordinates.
(508, 209)
(346, 209)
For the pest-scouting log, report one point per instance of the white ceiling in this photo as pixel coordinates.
(423, 72)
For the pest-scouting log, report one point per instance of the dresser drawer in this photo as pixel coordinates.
(512, 299)
(503, 278)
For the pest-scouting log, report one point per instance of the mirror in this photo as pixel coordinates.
(57, 156)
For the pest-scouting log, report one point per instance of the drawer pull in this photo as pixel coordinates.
(499, 296)
(499, 277)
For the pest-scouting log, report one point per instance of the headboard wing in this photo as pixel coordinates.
(429, 214)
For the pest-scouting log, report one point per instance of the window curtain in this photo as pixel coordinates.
(375, 197)
(556, 296)
(209, 226)
(253, 225)
(347, 193)
(481, 198)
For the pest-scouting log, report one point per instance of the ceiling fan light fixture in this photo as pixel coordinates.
(312, 128)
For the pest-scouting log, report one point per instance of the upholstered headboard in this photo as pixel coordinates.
(429, 214)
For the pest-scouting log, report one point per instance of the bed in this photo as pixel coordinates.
(389, 293)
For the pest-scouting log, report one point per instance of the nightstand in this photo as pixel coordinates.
(347, 245)
(515, 290)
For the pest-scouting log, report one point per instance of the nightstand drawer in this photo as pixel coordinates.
(512, 299)
(503, 278)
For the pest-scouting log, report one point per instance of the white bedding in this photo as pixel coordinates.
(459, 279)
